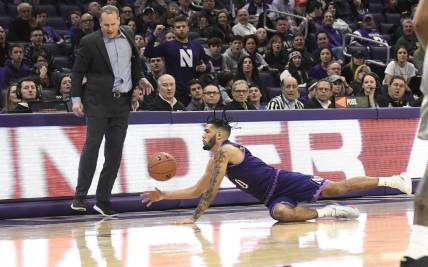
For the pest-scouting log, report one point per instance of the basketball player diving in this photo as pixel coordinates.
(417, 251)
(279, 190)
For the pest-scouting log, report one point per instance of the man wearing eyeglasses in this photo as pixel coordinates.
(322, 98)
(211, 98)
(240, 92)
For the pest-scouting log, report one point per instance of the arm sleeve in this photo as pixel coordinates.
(80, 68)
(152, 51)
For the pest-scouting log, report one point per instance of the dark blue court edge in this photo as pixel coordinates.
(165, 117)
(132, 203)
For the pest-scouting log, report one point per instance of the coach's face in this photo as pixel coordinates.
(110, 24)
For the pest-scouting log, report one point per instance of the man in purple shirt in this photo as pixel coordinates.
(184, 59)
(279, 190)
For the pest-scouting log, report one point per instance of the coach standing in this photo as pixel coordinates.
(110, 61)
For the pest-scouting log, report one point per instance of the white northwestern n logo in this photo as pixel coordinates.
(186, 58)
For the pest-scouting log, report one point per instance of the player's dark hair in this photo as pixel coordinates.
(223, 122)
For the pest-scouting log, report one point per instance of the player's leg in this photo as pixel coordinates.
(400, 182)
(286, 213)
(417, 252)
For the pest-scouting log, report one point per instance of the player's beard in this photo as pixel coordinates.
(209, 144)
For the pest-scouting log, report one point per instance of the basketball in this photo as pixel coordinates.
(162, 166)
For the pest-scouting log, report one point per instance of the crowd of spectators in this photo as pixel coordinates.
(222, 54)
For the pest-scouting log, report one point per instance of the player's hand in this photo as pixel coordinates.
(145, 86)
(150, 197)
(159, 28)
(78, 109)
(201, 67)
(186, 221)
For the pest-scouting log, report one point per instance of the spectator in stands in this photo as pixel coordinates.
(195, 92)
(322, 98)
(146, 22)
(94, 9)
(276, 55)
(184, 59)
(243, 27)
(208, 11)
(64, 87)
(86, 26)
(225, 82)
(281, 29)
(356, 84)
(4, 47)
(319, 71)
(299, 44)
(27, 90)
(165, 100)
(211, 98)
(214, 53)
(357, 59)
(359, 9)
(157, 66)
(369, 31)
(370, 88)
(35, 49)
(396, 93)
(334, 68)
(338, 23)
(322, 42)
(257, 7)
(338, 85)
(289, 96)
(126, 14)
(41, 70)
(408, 38)
(49, 33)
(400, 66)
(255, 96)
(334, 36)
(250, 46)
(167, 19)
(295, 69)
(140, 41)
(14, 67)
(232, 55)
(220, 29)
(11, 100)
(313, 16)
(247, 71)
(262, 40)
(137, 99)
(240, 92)
(73, 22)
(20, 28)
(184, 9)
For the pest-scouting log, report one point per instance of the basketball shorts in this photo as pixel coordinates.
(294, 187)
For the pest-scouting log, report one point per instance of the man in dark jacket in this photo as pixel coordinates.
(165, 100)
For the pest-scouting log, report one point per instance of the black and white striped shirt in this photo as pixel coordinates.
(280, 102)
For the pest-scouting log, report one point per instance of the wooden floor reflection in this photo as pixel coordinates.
(228, 236)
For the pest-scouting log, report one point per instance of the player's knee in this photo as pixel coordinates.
(283, 213)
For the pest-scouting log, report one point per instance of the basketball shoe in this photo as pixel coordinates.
(401, 182)
(339, 211)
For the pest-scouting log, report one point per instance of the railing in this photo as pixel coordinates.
(376, 62)
(286, 14)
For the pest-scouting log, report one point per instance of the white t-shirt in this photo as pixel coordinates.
(407, 72)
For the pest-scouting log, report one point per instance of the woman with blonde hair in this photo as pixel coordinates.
(358, 76)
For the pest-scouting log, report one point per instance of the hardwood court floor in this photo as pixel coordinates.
(226, 236)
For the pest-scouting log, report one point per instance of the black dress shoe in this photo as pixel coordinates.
(104, 210)
(410, 262)
(78, 204)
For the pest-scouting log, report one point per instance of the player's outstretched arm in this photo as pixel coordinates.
(220, 161)
(194, 191)
(421, 21)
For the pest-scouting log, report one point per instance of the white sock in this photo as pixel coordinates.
(324, 212)
(384, 181)
(418, 243)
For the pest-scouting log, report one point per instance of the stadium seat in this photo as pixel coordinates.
(194, 35)
(387, 38)
(393, 18)
(5, 21)
(375, 8)
(268, 79)
(49, 93)
(385, 28)
(62, 62)
(273, 91)
(379, 53)
(66, 10)
(2, 9)
(378, 18)
(50, 9)
(55, 49)
(57, 23)
(352, 49)
(12, 10)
